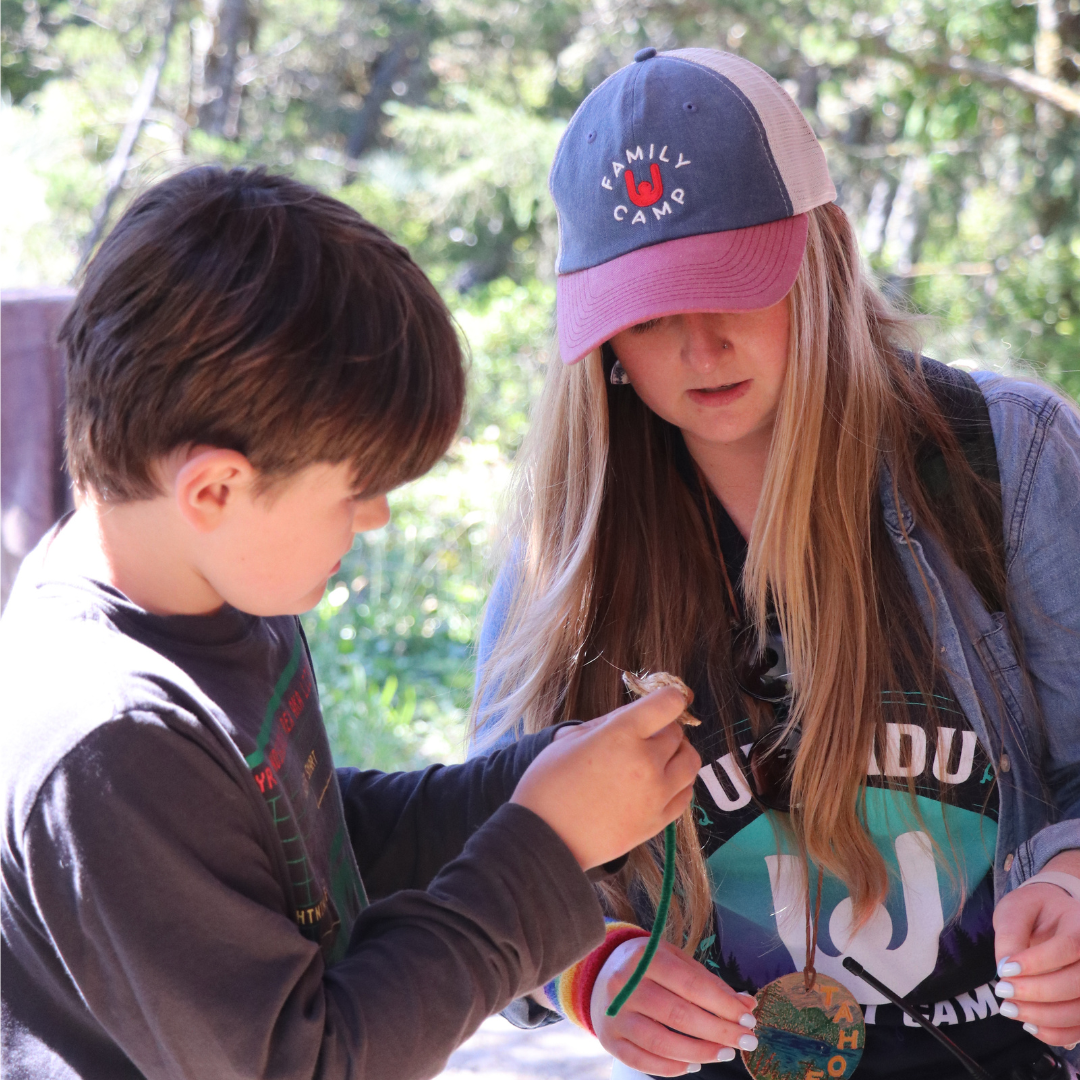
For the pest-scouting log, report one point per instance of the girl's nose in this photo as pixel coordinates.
(704, 340)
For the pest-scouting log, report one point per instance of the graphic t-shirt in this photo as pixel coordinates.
(259, 673)
(931, 941)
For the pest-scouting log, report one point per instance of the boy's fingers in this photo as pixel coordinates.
(652, 713)
(677, 806)
(684, 765)
(664, 744)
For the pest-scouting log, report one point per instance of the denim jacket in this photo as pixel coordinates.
(1029, 726)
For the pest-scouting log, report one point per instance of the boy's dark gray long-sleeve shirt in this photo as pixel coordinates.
(190, 889)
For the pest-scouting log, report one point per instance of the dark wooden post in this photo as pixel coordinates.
(34, 486)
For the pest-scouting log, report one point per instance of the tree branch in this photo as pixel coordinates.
(1037, 87)
(235, 24)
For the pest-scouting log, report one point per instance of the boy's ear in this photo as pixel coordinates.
(208, 483)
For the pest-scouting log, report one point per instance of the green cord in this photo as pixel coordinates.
(659, 923)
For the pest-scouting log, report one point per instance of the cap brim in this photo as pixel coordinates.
(738, 270)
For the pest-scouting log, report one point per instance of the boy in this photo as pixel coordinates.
(189, 887)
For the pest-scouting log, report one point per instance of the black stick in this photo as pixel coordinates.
(972, 1066)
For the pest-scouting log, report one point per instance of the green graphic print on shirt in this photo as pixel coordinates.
(914, 942)
(291, 763)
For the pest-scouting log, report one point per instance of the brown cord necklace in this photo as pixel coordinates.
(808, 1027)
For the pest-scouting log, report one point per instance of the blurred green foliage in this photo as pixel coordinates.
(952, 132)
(392, 639)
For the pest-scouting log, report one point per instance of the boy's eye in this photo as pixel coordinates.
(644, 327)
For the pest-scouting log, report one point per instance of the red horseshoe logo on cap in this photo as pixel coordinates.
(645, 194)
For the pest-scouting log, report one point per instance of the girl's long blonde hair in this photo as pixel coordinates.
(618, 568)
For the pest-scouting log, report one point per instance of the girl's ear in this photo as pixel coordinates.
(208, 484)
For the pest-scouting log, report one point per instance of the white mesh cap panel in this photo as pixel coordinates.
(795, 148)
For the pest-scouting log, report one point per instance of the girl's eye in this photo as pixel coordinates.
(644, 327)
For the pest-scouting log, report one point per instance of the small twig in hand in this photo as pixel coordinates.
(640, 685)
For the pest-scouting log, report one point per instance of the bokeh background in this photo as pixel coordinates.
(952, 129)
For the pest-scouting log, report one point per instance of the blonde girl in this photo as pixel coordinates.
(865, 564)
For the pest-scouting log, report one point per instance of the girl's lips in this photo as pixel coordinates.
(336, 567)
(721, 396)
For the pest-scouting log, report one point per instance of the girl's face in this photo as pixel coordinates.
(717, 376)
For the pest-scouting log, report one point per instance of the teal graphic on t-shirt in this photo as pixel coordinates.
(292, 766)
(934, 930)
(757, 877)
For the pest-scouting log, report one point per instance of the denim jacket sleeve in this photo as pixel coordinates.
(495, 615)
(1037, 434)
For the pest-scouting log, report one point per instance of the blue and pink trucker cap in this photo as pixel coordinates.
(682, 184)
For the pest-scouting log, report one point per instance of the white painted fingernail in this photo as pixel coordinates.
(748, 1043)
(1008, 968)
(1005, 990)
(693, 1066)
(1010, 1009)
(1031, 1029)
(748, 1020)
(727, 1053)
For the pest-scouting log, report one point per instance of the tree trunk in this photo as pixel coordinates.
(1047, 58)
(1048, 40)
(235, 25)
(904, 226)
(365, 128)
(808, 82)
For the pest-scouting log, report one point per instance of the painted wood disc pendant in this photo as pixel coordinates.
(806, 1034)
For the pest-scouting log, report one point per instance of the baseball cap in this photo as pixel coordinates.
(682, 183)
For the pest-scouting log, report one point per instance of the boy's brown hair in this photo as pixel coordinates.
(244, 310)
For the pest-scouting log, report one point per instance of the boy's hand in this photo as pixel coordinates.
(609, 785)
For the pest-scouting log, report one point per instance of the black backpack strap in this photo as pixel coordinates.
(964, 407)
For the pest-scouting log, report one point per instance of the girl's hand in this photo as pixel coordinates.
(677, 993)
(1037, 943)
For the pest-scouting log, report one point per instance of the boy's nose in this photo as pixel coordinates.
(371, 514)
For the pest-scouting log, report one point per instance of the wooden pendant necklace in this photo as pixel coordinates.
(809, 1027)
